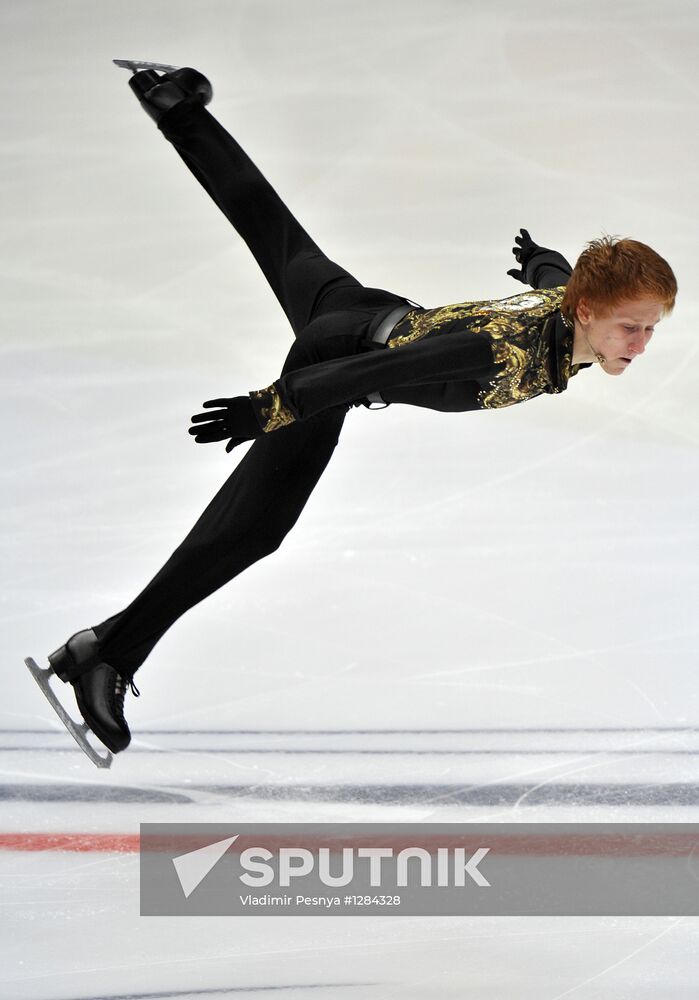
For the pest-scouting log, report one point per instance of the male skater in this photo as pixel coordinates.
(353, 345)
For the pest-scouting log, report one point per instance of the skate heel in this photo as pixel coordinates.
(62, 664)
(144, 81)
(80, 654)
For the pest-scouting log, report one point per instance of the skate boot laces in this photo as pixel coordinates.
(120, 686)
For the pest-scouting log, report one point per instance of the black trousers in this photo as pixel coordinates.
(331, 314)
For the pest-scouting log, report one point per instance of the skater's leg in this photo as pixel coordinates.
(297, 270)
(252, 512)
(247, 520)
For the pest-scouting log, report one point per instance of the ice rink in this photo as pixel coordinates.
(486, 616)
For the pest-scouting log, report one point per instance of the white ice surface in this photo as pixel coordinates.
(502, 600)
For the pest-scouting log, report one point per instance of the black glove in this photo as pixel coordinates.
(526, 249)
(236, 421)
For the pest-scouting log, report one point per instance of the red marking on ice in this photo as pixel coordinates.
(605, 844)
(109, 843)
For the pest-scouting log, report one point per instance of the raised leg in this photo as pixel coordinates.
(297, 270)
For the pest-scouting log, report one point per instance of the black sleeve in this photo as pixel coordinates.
(447, 397)
(454, 356)
(548, 269)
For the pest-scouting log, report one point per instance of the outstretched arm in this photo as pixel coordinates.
(457, 356)
(447, 362)
(465, 356)
(540, 266)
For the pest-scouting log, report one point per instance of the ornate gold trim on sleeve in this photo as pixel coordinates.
(275, 413)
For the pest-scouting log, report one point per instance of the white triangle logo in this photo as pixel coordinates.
(192, 868)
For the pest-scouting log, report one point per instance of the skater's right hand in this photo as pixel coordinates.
(523, 252)
(237, 421)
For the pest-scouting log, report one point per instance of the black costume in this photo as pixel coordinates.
(464, 356)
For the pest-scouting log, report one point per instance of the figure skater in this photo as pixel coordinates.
(354, 345)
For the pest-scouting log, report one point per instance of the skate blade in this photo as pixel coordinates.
(135, 65)
(76, 730)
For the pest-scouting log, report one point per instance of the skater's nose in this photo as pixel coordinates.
(637, 344)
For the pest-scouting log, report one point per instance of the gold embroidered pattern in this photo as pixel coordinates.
(419, 323)
(276, 413)
(514, 326)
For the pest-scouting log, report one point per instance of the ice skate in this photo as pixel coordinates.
(99, 693)
(160, 87)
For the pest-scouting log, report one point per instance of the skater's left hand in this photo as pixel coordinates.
(236, 420)
(525, 248)
(524, 251)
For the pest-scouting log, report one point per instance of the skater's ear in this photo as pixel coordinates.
(584, 311)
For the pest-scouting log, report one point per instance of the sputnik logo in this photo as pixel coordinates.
(192, 868)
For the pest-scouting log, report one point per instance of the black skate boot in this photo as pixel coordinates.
(158, 93)
(99, 689)
(100, 696)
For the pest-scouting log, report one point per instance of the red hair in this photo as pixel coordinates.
(612, 270)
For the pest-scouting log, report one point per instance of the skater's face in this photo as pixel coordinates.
(620, 337)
